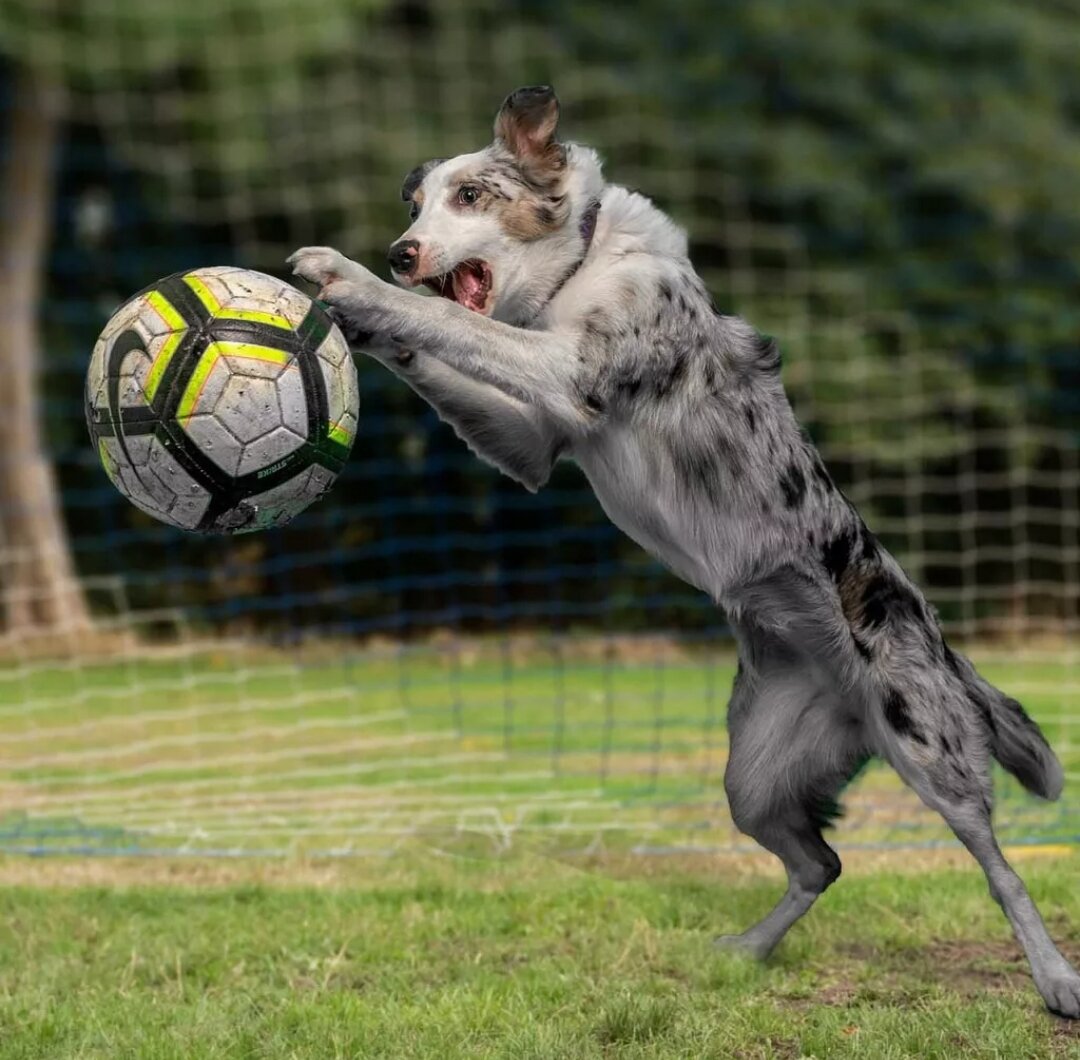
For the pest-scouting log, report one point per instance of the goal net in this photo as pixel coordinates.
(430, 654)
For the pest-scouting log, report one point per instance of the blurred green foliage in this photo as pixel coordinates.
(891, 188)
(936, 150)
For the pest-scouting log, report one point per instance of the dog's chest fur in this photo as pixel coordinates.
(691, 445)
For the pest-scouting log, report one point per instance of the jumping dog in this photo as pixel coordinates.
(573, 326)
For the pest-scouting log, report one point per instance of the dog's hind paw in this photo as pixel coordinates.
(742, 945)
(1062, 995)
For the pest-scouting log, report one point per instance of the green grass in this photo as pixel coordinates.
(358, 752)
(483, 937)
(525, 957)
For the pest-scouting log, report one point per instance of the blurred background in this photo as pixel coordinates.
(430, 652)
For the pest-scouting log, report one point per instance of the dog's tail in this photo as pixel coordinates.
(1018, 744)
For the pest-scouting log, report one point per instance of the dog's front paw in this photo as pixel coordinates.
(324, 266)
(355, 334)
(355, 298)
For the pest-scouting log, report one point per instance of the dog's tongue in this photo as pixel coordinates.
(469, 287)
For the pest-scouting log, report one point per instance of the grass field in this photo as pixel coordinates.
(527, 957)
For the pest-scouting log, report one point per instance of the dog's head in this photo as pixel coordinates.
(496, 230)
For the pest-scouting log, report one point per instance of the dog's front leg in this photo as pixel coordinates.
(538, 369)
(514, 437)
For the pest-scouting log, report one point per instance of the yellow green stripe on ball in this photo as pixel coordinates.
(107, 461)
(340, 433)
(209, 299)
(164, 309)
(208, 361)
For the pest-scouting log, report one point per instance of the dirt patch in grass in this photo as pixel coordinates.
(965, 964)
(1066, 1037)
(968, 967)
(839, 987)
(971, 968)
(839, 992)
(771, 1049)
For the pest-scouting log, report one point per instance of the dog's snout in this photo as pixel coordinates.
(403, 256)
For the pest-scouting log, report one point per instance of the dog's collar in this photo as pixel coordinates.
(587, 228)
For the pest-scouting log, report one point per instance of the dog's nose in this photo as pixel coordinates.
(403, 256)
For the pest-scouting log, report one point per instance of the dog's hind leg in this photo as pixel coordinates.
(793, 747)
(811, 866)
(950, 771)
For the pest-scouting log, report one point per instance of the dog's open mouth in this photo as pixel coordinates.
(468, 284)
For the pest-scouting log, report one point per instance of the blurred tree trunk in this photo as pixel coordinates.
(37, 574)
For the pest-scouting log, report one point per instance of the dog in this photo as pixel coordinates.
(572, 326)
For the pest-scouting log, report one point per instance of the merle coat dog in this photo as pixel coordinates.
(573, 326)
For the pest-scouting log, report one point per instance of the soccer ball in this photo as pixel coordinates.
(221, 400)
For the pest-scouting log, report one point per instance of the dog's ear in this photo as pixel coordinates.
(415, 177)
(526, 124)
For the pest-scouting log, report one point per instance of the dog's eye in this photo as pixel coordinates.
(414, 211)
(468, 195)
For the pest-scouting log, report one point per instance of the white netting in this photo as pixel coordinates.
(434, 653)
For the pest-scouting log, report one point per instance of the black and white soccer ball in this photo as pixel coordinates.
(222, 400)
